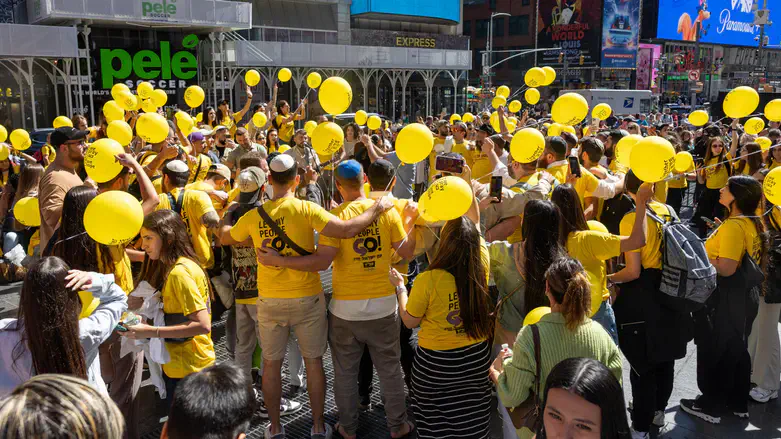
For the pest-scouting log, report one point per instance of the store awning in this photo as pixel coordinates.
(24, 41)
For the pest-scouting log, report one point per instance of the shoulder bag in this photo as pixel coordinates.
(528, 413)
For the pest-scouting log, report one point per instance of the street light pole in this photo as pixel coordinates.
(692, 89)
(761, 40)
(489, 45)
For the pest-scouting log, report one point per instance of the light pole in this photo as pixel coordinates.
(489, 46)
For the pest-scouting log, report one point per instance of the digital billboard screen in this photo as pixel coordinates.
(620, 33)
(574, 26)
(442, 9)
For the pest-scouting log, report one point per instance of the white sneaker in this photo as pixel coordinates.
(759, 394)
(658, 418)
(639, 434)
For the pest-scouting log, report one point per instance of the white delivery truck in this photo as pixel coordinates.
(623, 102)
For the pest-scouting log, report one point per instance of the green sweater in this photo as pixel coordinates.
(557, 343)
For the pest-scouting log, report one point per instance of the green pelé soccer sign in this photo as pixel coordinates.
(163, 67)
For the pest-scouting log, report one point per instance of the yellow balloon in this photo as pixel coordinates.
(184, 122)
(494, 121)
(515, 106)
(20, 139)
(100, 160)
(684, 162)
(283, 148)
(113, 218)
(335, 95)
(772, 186)
(148, 106)
(199, 117)
(503, 91)
(26, 211)
(145, 90)
(313, 80)
(455, 118)
(569, 109)
(550, 75)
(498, 101)
(624, 147)
(468, 117)
(159, 97)
(568, 129)
(252, 77)
(374, 122)
(601, 111)
(554, 129)
(754, 125)
(527, 145)
(139, 102)
(152, 127)
(532, 96)
(740, 102)
(5, 151)
(698, 118)
(652, 159)
(120, 131)
(3, 133)
(194, 96)
(284, 74)
(127, 101)
(309, 127)
(535, 315)
(414, 143)
(534, 77)
(773, 110)
(117, 88)
(764, 143)
(62, 121)
(113, 111)
(259, 119)
(327, 138)
(447, 198)
(360, 117)
(596, 226)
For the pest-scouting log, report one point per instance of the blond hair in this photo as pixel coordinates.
(51, 406)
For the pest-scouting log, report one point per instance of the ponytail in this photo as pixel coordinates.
(570, 287)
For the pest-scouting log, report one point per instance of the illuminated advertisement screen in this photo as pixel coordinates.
(441, 9)
(620, 33)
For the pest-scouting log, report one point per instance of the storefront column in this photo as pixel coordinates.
(84, 31)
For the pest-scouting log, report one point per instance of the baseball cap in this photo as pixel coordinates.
(381, 169)
(486, 129)
(281, 163)
(64, 134)
(348, 169)
(196, 136)
(222, 170)
(251, 179)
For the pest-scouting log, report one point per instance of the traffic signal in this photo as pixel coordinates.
(561, 57)
(582, 60)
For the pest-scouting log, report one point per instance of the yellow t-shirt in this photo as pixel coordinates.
(584, 186)
(35, 241)
(231, 123)
(297, 218)
(465, 149)
(481, 166)
(199, 168)
(592, 249)
(679, 182)
(121, 269)
(531, 181)
(773, 165)
(186, 291)
(206, 188)
(617, 168)
(716, 178)
(432, 159)
(434, 298)
(362, 263)
(731, 239)
(650, 254)
(286, 130)
(49, 152)
(194, 205)
(144, 159)
(233, 194)
(660, 191)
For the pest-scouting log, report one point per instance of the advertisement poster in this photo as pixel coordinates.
(729, 22)
(620, 33)
(571, 25)
(647, 55)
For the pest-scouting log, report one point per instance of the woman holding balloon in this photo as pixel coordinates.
(713, 174)
(284, 121)
(230, 120)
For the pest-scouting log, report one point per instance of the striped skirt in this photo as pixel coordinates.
(451, 392)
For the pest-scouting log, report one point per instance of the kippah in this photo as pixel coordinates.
(282, 163)
(348, 169)
(177, 166)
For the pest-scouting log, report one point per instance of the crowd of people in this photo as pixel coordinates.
(240, 220)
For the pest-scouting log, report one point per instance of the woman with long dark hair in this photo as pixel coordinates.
(583, 399)
(284, 120)
(171, 266)
(750, 162)
(519, 269)
(210, 117)
(47, 335)
(228, 118)
(451, 303)
(721, 328)
(713, 174)
(592, 248)
(564, 333)
(352, 134)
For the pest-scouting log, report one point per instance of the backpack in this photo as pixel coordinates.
(773, 271)
(688, 277)
(613, 211)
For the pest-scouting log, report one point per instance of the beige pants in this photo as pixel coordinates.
(764, 346)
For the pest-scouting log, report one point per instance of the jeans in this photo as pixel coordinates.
(607, 319)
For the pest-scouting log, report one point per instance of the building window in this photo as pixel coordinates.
(467, 28)
(498, 56)
(477, 61)
(515, 63)
(492, 4)
(525, 3)
(481, 28)
(519, 25)
(499, 27)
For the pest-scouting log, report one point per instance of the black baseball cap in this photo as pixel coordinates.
(64, 134)
(488, 129)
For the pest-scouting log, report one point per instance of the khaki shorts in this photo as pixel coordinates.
(306, 316)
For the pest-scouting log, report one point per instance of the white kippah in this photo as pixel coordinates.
(177, 166)
(282, 163)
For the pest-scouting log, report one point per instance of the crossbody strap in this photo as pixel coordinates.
(176, 206)
(281, 233)
(537, 355)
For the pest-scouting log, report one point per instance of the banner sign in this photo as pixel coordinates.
(571, 25)
(620, 33)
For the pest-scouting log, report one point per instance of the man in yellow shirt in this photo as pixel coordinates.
(481, 164)
(290, 297)
(198, 162)
(216, 186)
(194, 206)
